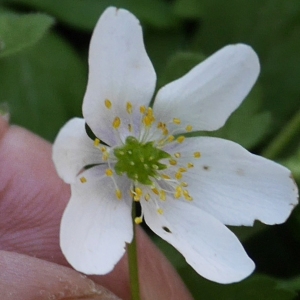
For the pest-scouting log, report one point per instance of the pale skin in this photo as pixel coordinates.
(32, 200)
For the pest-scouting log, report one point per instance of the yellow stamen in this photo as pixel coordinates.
(83, 180)
(160, 211)
(180, 139)
(197, 154)
(165, 131)
(109, 172)
(187, 196)
(107, 104)
(136, 198)
(182, 170)
(147, 197)
(119, 194)
(173, 162)
(138, 220)
(162, 195)
(178, 175)
(96, 142)
(184, 184)
(103, 149)
(177, 155)
(155, 191)
(176, 121)
(105, 156)
(129, 127)
(138, 191)
(178, 192)
(189, 128)
(171, 138)
(116, 123)
(190, 165)
(129, 107)
(142, 109)
(164, 176)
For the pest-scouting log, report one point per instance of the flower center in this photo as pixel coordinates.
(140, 161)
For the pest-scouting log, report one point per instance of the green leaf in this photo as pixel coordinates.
(178, 65)
(191, 9)
(254, 287)
(18, 32)
(43, 86)
(272, 28)
(247, 126)
(293, 163)
(84, 14)
(292, 284)
(160, 45)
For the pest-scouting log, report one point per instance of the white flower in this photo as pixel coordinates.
(188, 189)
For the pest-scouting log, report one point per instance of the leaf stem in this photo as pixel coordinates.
(133, 262)
(284, 137)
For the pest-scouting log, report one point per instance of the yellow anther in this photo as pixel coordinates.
(150, 112)
(155, 191)
(179, 188)
(171, 138)
(197, 154)
(187, 196)
(129, 107)
(162, 195)
(107, 103)
(178, 175)
(180, 139)
(147, 197)
(142, 109)
(148, 121)
(178, 192)
(190, 165)
(83, 180)
(119, 194)
(165, 131)
(182, 170)
(109, 172)
(96, 142)
(164, 176)
(138, 220)
(176, 121)
(138, 191)
(160, 125)
(160, 211)
(136, 198)
(129, 127)
(116, 123)
(173, 162)
(105, 156)
(184, 184)
(103, 149)
(189, 128)
(177, 155)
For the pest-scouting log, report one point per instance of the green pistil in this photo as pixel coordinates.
(139, 161)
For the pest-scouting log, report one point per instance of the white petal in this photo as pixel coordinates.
(207, 245)
(207, 95)
(119, 70)
(235, 186)
(96, 225)
(73, 149)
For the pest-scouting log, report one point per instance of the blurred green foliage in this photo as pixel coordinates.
(43, 73)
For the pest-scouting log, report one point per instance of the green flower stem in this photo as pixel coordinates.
(284, 137)
(133, 262)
